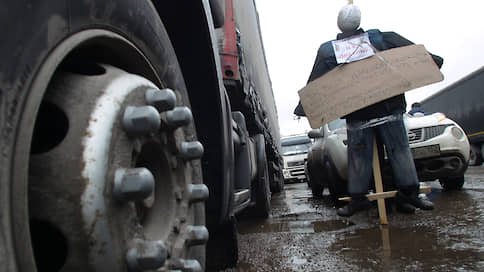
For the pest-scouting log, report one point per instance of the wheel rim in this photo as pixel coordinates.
(110, 182)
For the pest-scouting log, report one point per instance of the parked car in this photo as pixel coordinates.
(439, 147)
(327, 163)
(294, 154)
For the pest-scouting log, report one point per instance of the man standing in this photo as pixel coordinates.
(382, 120)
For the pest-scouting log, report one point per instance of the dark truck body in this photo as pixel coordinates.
(463, 102)
(176, 99)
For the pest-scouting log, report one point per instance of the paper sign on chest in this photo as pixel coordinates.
(352, 49)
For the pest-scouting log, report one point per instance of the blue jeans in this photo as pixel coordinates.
(360, 154)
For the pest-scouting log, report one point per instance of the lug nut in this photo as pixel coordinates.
(197, 235)
(139, 121)
(134, 184)
(179, 116)
(198, 192)
(191, 150)
(162, 100)
(146, 255)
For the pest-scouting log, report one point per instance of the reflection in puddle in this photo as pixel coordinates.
(293, 226)
(395, 249)
(298, 261)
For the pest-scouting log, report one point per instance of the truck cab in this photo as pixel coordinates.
(294, 153)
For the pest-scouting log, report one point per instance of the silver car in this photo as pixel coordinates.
(439, 147)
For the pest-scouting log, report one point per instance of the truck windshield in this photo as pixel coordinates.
(295, 149)
(295, 145)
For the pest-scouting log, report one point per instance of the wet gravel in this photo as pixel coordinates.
(306, 234)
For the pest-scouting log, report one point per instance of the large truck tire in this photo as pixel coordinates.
(92, 179)
(261, 186)
(223, 246)
(276, 181)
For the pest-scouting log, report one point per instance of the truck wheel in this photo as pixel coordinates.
(223, 246)
(277, 181)
(275, 185)
(475, 156)
(262, 190)
(337, 186)
(111, 186)
(455, 183)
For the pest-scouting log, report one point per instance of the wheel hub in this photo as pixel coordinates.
(117, 184)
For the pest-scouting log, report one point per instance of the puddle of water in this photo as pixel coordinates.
(406, 249)
(294, 226)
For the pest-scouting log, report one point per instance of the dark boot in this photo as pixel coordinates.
(403, 207)
(357, 203)
(409, 195)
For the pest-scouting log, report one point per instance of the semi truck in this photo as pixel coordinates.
(463, 102)
(132, 133)
(294, 153)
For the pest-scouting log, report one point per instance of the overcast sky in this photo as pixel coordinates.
(292, 31)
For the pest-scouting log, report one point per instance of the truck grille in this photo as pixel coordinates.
(295, 163)
(423, 134)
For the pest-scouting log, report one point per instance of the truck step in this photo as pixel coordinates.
(241, 199)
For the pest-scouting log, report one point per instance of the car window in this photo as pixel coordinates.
(338, 123)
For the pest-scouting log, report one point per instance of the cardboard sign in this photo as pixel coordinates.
(352, 49)
(350, 87)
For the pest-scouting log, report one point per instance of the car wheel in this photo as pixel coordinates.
(317, 189)
(475, 156)
(315, 183)
(482, 149)
(95, 181)
(315, 180)
(452, 183)
(337, 186)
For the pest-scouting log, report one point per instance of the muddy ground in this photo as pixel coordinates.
(306, 234)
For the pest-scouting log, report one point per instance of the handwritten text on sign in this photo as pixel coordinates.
(352, 49)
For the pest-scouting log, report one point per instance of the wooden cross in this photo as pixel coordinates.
(380, 195)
